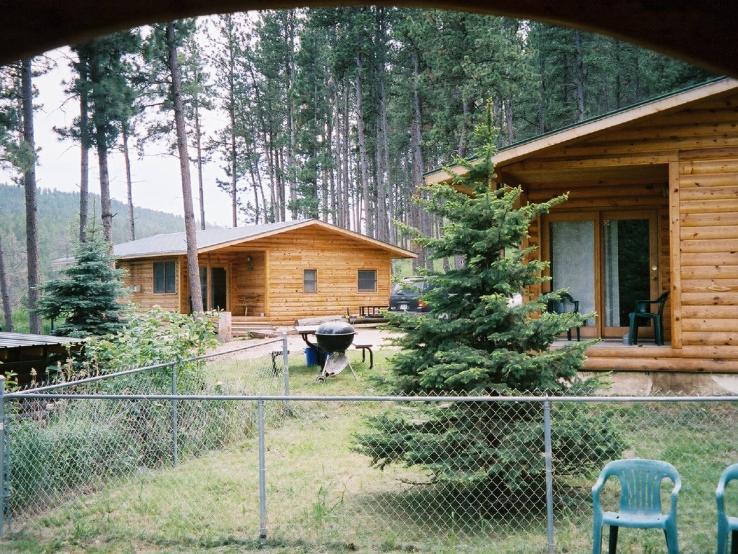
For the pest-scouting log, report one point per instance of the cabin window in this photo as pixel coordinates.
(310, 280)
(367, 280)
(165, 277)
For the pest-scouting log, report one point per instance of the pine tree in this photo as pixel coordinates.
(85, 301)
(476, 339)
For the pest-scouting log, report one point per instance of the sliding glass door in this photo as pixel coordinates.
(607, 261)
(573, 255)
(630, 269)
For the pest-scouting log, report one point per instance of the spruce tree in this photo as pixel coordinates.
(477, 339)
(85, 301)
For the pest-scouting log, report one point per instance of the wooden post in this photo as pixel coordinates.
(675, 256)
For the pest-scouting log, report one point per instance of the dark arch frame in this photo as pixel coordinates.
(700, 31)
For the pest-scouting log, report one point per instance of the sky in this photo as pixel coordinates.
(156, 178)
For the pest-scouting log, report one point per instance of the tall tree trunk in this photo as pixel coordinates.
(507, 105)
(541, 92)
(193, 267)
(101, 145)
(416, 140)
(129, 185)
(232, 116)
(84, 160)
(464, 124)
(29, 183)
(289, 162)
(383, 170)
(579, 76)
(5, 292)
(106, 207)
(363, 161)
(345, 157)
(198, 147)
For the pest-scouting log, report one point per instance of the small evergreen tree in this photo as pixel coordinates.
(86, 300)
(477, 339)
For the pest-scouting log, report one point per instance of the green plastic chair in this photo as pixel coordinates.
(726, 525)
(565, 304)
(642, 311)
(640, 501)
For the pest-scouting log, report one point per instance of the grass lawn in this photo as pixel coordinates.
(322, 497)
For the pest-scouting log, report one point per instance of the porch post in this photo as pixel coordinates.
(675, 257)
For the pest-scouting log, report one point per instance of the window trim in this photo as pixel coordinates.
(153, 276)
(304, 272)
(358, 281)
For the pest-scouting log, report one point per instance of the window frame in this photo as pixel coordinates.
(358, 280)
(164, 264)
(304, 281)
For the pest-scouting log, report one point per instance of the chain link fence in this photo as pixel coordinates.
(320, 473)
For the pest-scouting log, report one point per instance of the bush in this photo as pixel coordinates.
(69, 450)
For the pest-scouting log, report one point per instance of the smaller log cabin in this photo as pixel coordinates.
(273, 273)
(652, 208)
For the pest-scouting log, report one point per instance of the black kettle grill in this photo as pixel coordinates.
(334, 338)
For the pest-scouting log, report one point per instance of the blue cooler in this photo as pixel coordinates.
(311, 356)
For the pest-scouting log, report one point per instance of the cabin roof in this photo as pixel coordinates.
(18, 340)
(174, 244)
(674, 100)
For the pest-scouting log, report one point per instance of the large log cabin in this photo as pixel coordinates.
(273, 273)
(653, 207)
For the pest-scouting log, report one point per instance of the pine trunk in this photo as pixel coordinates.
(5, 292)
(464, 124)
(193, 268)
(579, 75)
(129, 185)
(29, 183)
(345, 158)
(234, 152)
(366, 211)
(382, 149)
(416, 141)
(198, 146)
(84, 158)
(289, 169)
(106, 207)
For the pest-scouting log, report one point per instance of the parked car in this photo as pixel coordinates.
(407, 295)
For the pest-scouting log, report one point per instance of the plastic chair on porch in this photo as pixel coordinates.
(640, 501)
(727, 527)
(565, 304)
(642, 311)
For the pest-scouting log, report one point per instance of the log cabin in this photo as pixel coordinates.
(653, 207)
(263, 274)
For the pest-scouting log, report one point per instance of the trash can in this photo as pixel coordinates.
(311, 356)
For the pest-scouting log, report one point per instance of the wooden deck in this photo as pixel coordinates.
(613, 355)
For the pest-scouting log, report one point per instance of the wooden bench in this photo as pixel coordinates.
(364, 349)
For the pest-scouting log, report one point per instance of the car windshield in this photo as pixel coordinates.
(408, 287)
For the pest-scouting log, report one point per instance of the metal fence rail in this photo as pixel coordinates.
(292, 469)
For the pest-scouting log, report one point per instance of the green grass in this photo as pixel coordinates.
(323, 497)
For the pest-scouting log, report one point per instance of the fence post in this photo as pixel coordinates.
(262, 470)
(175, 453)
(549, 475)
(286, 369)
(4, 474)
